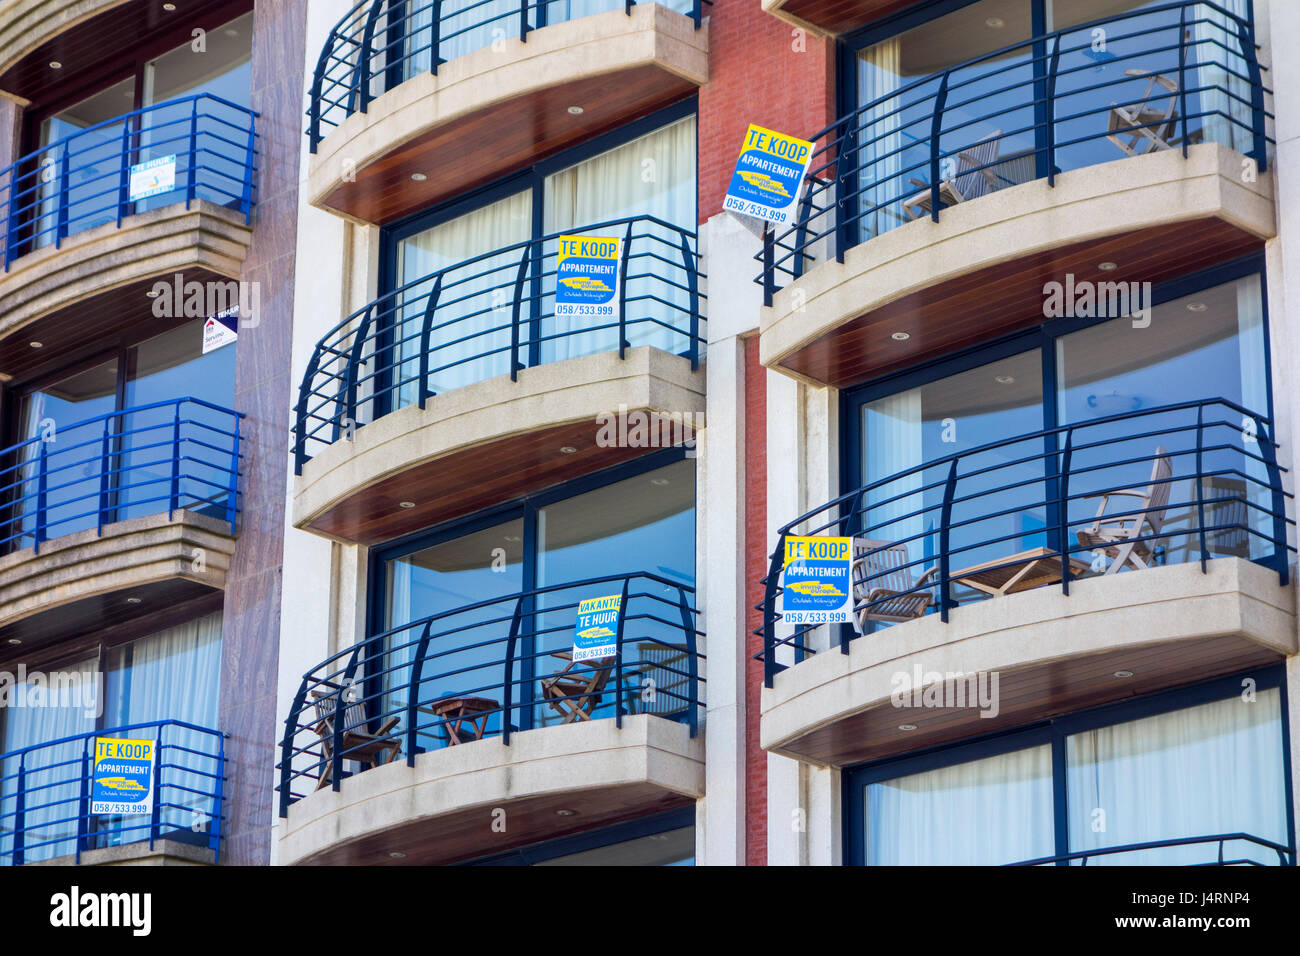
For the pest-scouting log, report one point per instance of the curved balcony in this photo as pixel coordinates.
(142, 501)
(400, 87)
(482, 708)
(82, 238)
(45, 795)
(1143, 551)
(1219, 849)
(1146, 156)
(468, 382)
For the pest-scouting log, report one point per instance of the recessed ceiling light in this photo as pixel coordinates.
(153, 294)
(15, 641)
(55, 65)
(996, 23)
(659, 482)
(1196, 306)
(1123, 673)
(566, 813)
(1107, 266)
(397, 855)
(567, 450)
(169, 7)
(576, 110)
(900, 336)
(406, 504)
(133, 600)
(419, 177)
(1005, 379)
(37, 345)
(513, 538)
(907, 726)
(232, 32)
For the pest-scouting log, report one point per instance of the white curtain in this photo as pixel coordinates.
(1222, 76)
(891, 429)
(985, 812)
(880, 161)
(1214, 768)
(470, 339)
(51, 804)
(1254, 396)
(653, 175)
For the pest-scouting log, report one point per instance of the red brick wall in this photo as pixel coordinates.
(755, 451)
(756, 76)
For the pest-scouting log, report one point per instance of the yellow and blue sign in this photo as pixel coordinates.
(595, 634)
(816, 582)
(768, 176)
(586, 280)
(122, 778)
(153, 178)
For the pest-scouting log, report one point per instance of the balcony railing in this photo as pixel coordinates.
(1160, 77)
(491, 315)
(1224, 849)
(45, 794)
(205, 147)
(180, 455)
(380, 44)
(1186, 483)
(490, 669)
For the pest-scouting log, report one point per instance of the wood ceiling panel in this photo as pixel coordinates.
(504, 138)
(1032, 694)
(839, 16)
(992, 302)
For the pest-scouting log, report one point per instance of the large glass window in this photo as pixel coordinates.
(1157, 769)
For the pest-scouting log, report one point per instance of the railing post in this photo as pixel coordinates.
(1182, 87)
(192, 190)
(300, 413)
(105, 469)
(317, 81)
(523, 21)
(692, 283)
(945, 543)
(775, 566)
(426, 330)
(618, 657)
(124, 174)
(1063, 509)
(250, 170)
(83, 801)
(524, 261)
(413, 692)
(174, 500)
(692, 664)
(436, 43)
(1269, 450)
(361, 75)
(155, 815)
(20, 812)
(11, 222)
(936, 131)
(287, 747)
(61, 228)
(336, 731)
(769, 263)
(350, 372)
(623, 343)
(232, 489)
(696, 12)
(218, 798)
(39, 532)
(1200, 493)
(1259, 146)
(1049, 130)
(509, 683)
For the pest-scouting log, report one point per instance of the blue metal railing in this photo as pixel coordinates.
(414, 687)
(1159, 77)
(491, 315)
(380, 44)
(957, 517)
(178, 455)
(84, 179)
(1285, 854)
(45, 794)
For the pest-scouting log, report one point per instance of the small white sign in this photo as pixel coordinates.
(153, 178)
(219, 330)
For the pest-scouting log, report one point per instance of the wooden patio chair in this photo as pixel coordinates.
(1117, 537)
(1155, 117)
(1226, 508)
(974, 177)
(575, 692)
(359, 744)
(884, 588)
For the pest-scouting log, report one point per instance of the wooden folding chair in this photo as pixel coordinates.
(358, 743)
(1156, 124)
(974, 177)
(575, 692)
(1117, 537)
(884, 588)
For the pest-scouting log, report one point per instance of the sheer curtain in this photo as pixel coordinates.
(1214, 768)
(653, 175)
(1254, 396)
(984, 812)
(470, 339)
(880, 138)
(51, 803)
(1222, 76)
(891, 429)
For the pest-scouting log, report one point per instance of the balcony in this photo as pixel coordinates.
(79, 252)
(1139, 161)
(116, 516)
(1140, 552)
(1220, 849)
(461, 388)
(401, 87)
(479, 709)
(45, 801)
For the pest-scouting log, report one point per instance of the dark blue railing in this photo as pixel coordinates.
(1025, 112)
(1220, 485)
(493, 315)
(1222, 857)
(178, 455)
(380, 44)
(45, 794)
(413, 687)
(84, 180)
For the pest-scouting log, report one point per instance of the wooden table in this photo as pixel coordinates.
(466, 717)
(1018, 572)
